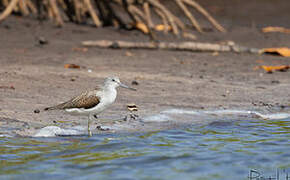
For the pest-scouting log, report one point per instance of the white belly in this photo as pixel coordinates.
(106, 100)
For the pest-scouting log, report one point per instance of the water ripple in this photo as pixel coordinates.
(220, 149)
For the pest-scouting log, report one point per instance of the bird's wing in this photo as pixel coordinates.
(86, 100)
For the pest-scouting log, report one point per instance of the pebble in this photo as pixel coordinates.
(135, 83)
(42, 40)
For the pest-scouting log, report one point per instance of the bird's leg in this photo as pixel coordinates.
(89, 131)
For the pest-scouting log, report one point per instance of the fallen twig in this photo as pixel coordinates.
(179, 46)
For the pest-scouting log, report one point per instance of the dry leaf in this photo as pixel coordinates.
(142, 27)
(7, 87)
(270, 69)
(282, 51)
(128, 53)
(80, 49)
(256, 68)
(215, 53)
(275, 29)
(20, 50)
(161, 27)
(259, 61)
(132, 107)
(72, 66)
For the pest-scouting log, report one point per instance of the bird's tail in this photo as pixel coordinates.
(49, 108)
(53, 108)
(59, 106)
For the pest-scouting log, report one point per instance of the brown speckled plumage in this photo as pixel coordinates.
(86, 100)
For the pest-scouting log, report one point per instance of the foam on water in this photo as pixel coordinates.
(228, 112)
(157, 118)
(169, 115)
(180, 111)
(52, 131)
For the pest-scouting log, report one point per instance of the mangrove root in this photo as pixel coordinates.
(144, 15)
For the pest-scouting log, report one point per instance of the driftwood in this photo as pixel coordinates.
(179, 46)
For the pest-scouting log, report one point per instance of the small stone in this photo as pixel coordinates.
(103, 129)
(36, 111)
(135, 83)
(7, 26)
(134, 116)
(275, 82)
(42, 40)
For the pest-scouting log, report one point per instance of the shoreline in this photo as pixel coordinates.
(33, 76)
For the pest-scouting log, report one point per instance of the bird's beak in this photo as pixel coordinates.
(124, 86)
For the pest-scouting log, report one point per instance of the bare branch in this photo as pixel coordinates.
(23, 7)
(55, 13)
(206, 14)
(93, 13)
(31, 6)
(167, 13)
(8, 9)
(189, 15)
(148, 15)
(164, 19)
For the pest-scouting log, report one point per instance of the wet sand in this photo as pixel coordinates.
(33, 75)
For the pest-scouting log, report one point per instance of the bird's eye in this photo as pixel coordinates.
(113, 80)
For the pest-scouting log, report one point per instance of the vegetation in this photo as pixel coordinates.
(145, 15)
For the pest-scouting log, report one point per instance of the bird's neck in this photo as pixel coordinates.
(109, 88)
(110, 92)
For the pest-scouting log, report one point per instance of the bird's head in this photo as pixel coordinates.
(115, 82)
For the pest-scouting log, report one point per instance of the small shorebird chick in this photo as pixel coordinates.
(91, 103)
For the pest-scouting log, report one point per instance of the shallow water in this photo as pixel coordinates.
(221, 149)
